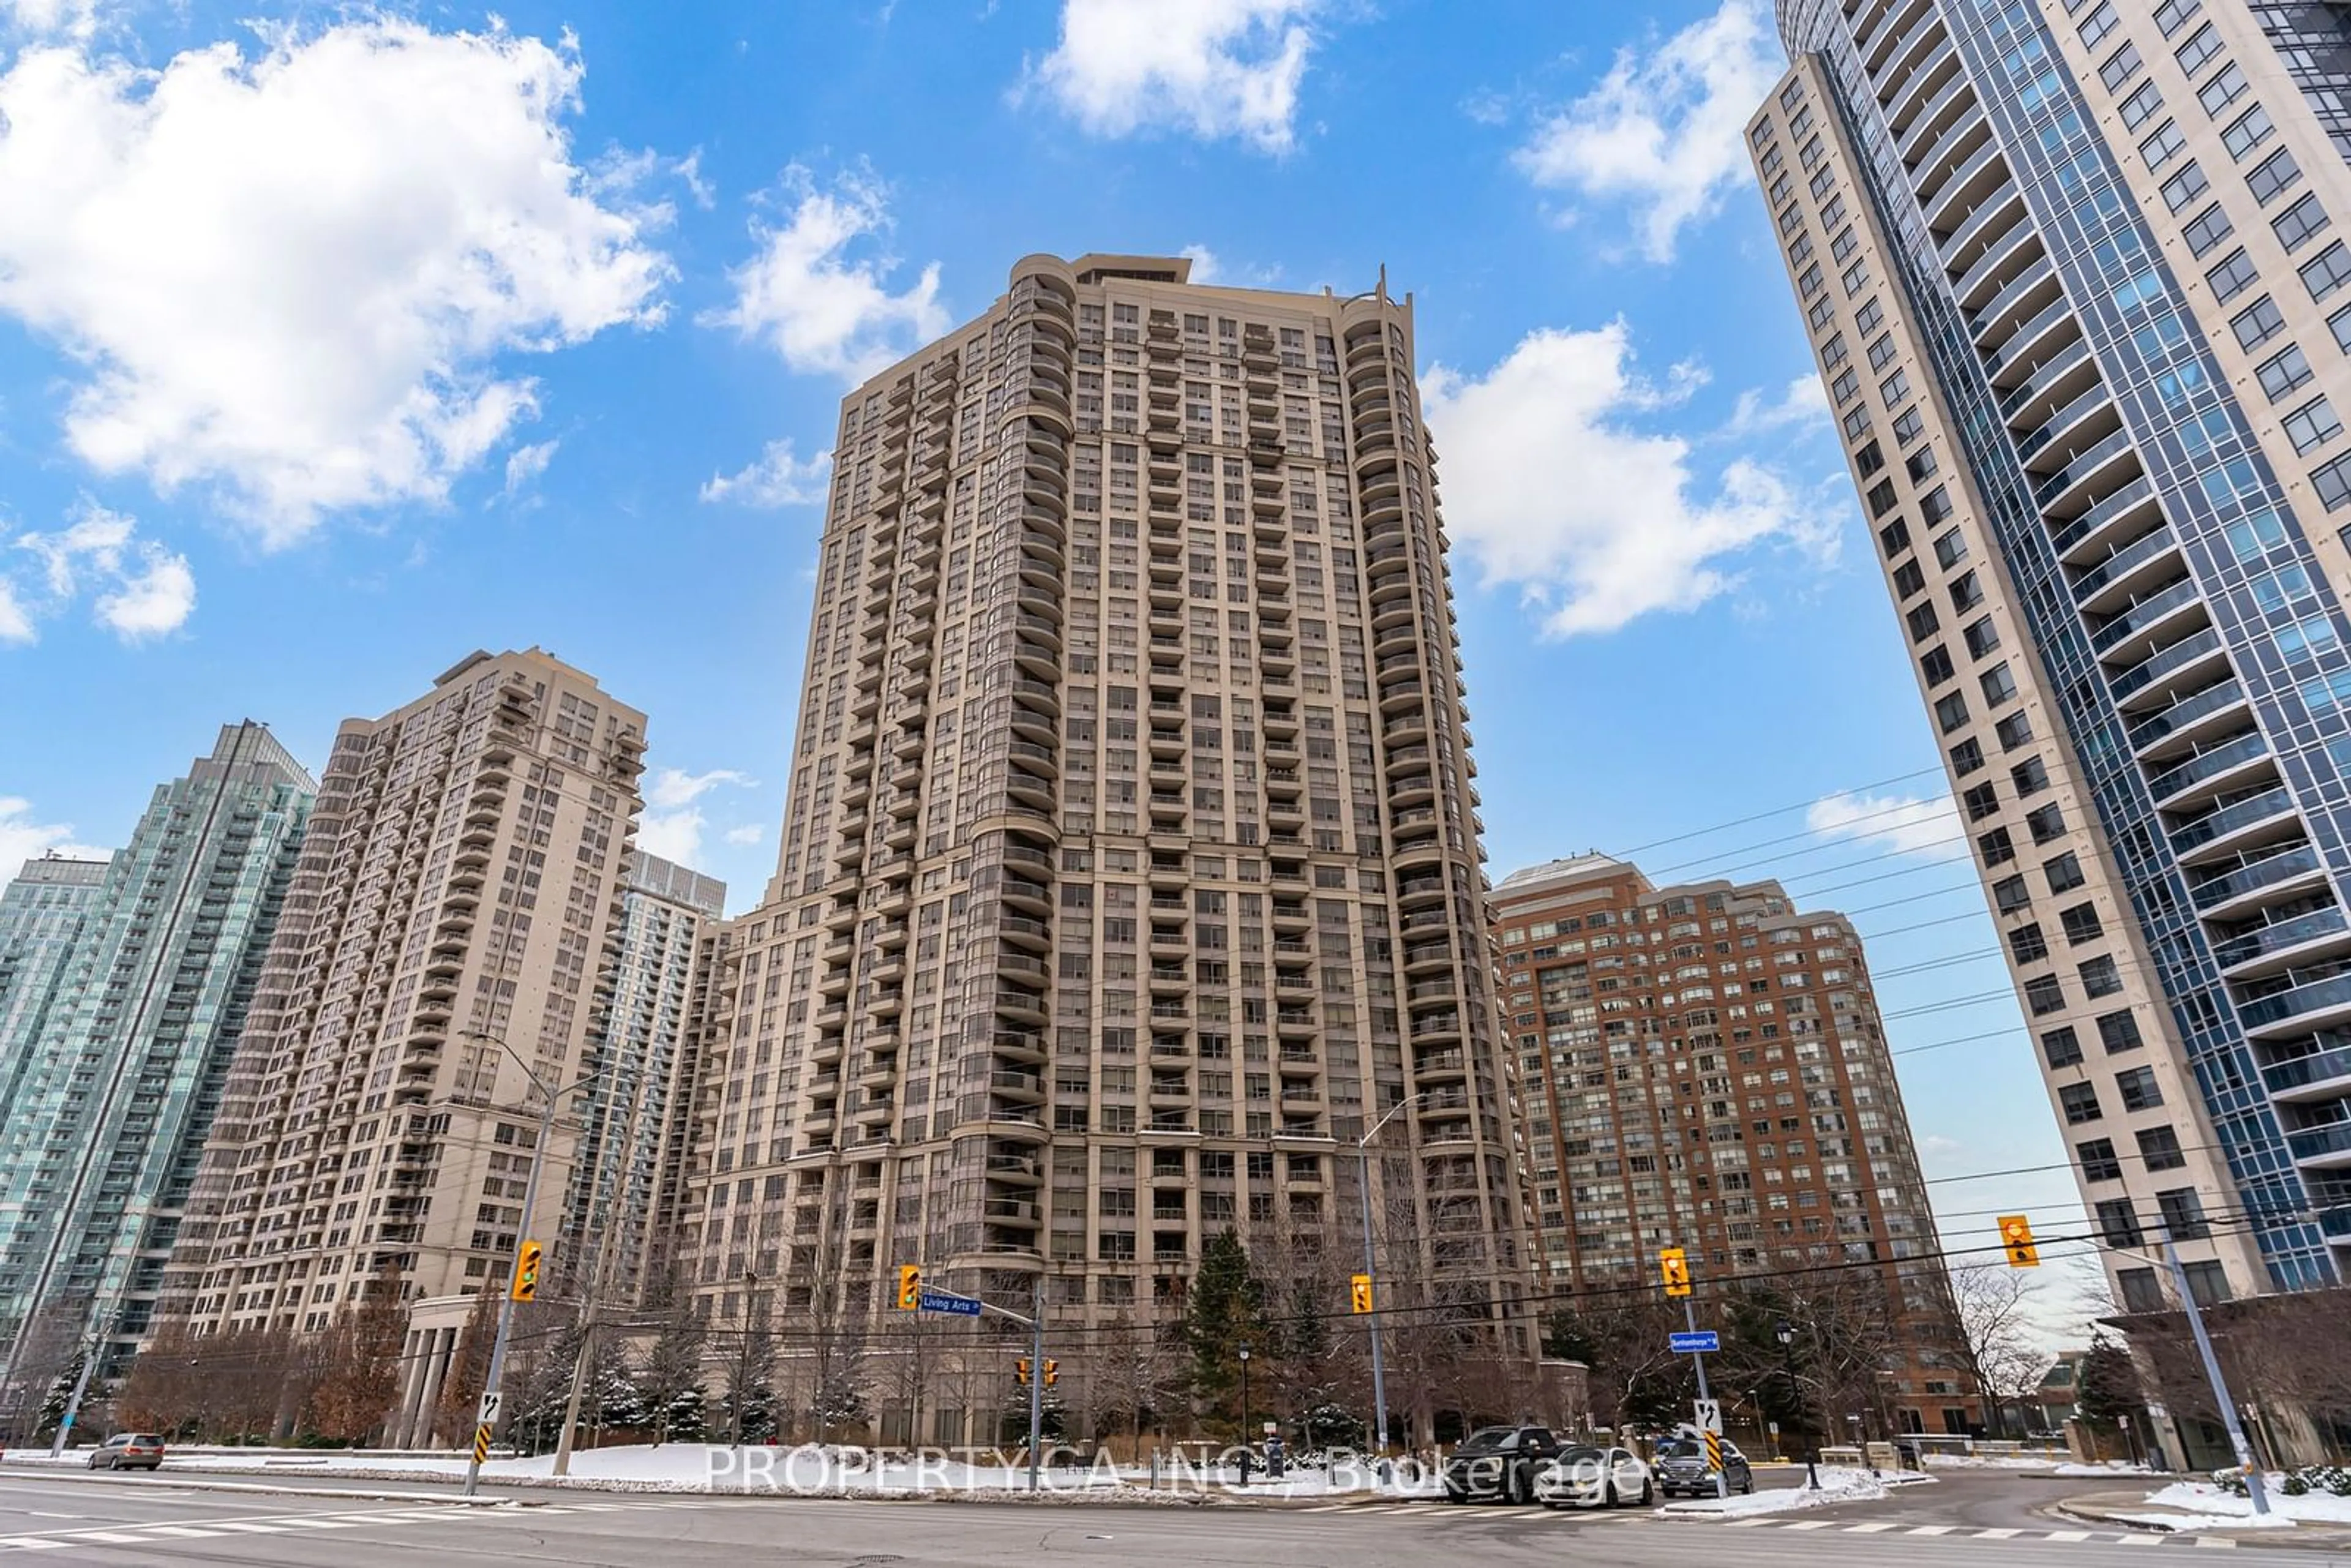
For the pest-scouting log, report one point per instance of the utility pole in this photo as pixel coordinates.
(493, 1391)
(597, 1279)
(2244, 1451)
(1689, 1317)
(1363, 1184)
(1036, 1379)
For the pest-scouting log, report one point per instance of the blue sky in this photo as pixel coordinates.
(336, 343)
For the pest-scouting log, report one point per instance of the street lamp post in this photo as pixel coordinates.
(1785, 1332)
(1372, 1319)
(1245, 1415)
(530, 1202)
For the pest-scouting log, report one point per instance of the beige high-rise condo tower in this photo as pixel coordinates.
(1130, 868)
(461, 885)
(2076, 282)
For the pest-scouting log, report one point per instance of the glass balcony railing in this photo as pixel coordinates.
(2104, 511)
(2279, 934)
(2083, 463)
(2253, 876)
(2302, 1071)
(2320, 1142)
(2163, 661)
(2186, 712)
(2208, 764)
(2279, 1006)
(2144, 612)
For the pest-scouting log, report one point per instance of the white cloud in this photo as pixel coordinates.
(1802, 402)
(141, 590)
(1551, 486)
(1209, 69)
(294, 277)
(525, 467)
(23, 839)
(1664, 129)
(1899, 824)
(673, 823)
(822, 313)
(49, 19)
(1205, 267)
(749, 833)
(776, 478)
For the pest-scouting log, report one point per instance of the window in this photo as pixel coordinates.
(2046, 824)
(1907, 426)
(1936, 666)
(1966, 592)
(2080, 1104)
(2257, 323)
(2313, 636)
(1999, 685)
(1868, 460)
(2227, 86)
(2173, 14)
(2299, 221)
(2043, 995)
(1996, 847)
(2159, 1147)
(1894, 538)
(2065, 872)
(2082, 925)
(1865, 320)
(2138, 1089)
(2060, 1049)
(2097, 25)
(2341, 324)
(2208, 1282)
(2163, 146)
(2027, 946)
(2120, 67)
(1982, 637)
(2014, 731)
(2097, 1160)
(2232, 277)
(2119, 1223)
(2030, 776)
(2141, 1294)
(2008, 894)
(1920, 465)
(2141, 106)
(2252, 128)
(2119, 1031)
(1951, 711)
(2198, 50)
(2101, 976)
(2276, 172)
(2208, 228)
(2313, 424)
(2255, 534)
(1981, 802)
(2183, 1214)
(2333, 482)
(1908, 580)
(1950, 549)
(1966, 757)
(2284, 371)
(1893, 390)
(1923, 621)
(1845, 386)
(2185, 187)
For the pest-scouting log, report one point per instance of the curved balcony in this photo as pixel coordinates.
(2149, 623)
(1027, 1006)
(2323, 1075)
(2129, 571)
(2187, 721)
(2209, 771)
(2240, 955)
(2200, 651)
(2258, 878)
(1035, 897)
(1919, 88)
(1420, 892)
(2325, 1146)
(2294, 1008)
(2029, 340)
(2089, 417)
(1964, 246)
(2072, 485)
(2007, 253)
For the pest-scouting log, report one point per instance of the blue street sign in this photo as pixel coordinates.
(940, 1301)
(1704, 1342)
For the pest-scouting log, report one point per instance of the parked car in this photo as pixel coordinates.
(1681, 1468)
(128, 1451)
(1584, 1476)
(1499, 1464)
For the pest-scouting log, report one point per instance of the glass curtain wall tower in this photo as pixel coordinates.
(2076, 275)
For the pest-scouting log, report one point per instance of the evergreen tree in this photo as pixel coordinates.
(2106, 1386)
(60, 1395)
(670, 1380)
(1226, 1310)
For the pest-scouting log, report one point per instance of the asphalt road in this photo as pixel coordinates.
(124, 1520)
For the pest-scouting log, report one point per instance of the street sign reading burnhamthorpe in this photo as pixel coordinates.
(1701, 1341)
(940, 1301)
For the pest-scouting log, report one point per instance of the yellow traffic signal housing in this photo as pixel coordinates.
(526, 1274)
(1673, 1267)
(1052, 1372)
(1359, 1290)
(910, 1287)
(2016, 1237)
(1020, 1372)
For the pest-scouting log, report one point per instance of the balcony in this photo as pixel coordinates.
(2119, 636)
(2327, 1145)
(2295, 1006)
(2319, 1075)
(2171, 659)
(2072, 484)
(2183, 719)
(2280, 936)
(2258, 877)
(2208, 768)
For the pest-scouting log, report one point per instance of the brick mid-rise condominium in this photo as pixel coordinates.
(1131, 867)
(1703, 1067)
(2078, 279)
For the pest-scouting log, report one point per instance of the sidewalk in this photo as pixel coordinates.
(2132, 1510)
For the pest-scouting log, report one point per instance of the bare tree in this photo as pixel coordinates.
(356, 1364)
(469, 1366)
(1995, 1306)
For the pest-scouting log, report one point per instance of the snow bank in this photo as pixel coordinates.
(2043, 1463)
(1837, 1486)
(2203, 1500)
(2112, 1468)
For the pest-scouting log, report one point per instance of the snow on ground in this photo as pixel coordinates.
(2196, 1524)
(1837, 1486)
(2112, 1468)
(1939, 1461)
(2204, 1499)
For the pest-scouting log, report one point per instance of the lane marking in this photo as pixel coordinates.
(2141, 1539)
(2071, 1535)
(1998, 1534)
(31, 1543)
(2214, 1540)
(1815, 1524)
(1869, 1529)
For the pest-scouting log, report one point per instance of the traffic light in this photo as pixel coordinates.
(2016, 1236)
(1673, 1267)
(1020, 1372)
(910, 1287)
(1052, 1372)
(525, 1276)
(1359, 1290)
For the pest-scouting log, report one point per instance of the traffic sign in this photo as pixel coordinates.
(1709, 1417)
(1699, 1342)
(945, 1301)
(491, 1401)
(1714, 1451)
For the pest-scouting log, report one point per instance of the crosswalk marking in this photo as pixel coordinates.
(1869, 1529)
(1814, 1524)
(1934, 1529)
(1998, 1534)
(2069, 1535)
(2142, 1540)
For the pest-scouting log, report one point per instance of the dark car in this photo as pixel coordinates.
(1498, 1464)
(128, 1451)
(1680, 1465)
